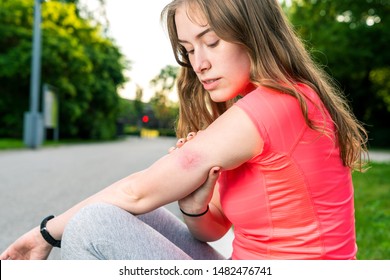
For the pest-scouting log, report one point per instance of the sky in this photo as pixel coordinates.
(136, 28)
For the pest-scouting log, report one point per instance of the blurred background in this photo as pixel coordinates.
(102, 70)
(90, 47)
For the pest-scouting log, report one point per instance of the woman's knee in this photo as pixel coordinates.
(92, 225)
(91, 222)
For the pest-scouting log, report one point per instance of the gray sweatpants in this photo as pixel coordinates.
(103, 231)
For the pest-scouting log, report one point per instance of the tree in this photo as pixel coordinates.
(350, 38)
(164, 110)
(138, 104)
(131, 111)
(85, 66)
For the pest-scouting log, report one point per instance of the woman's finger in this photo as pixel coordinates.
(180, 142)
(191, 135)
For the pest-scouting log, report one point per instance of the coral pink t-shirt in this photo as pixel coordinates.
(295, 199)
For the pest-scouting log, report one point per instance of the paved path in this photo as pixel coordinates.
(380, 156)
(36, 183)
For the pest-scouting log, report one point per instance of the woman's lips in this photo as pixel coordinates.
(210, 84)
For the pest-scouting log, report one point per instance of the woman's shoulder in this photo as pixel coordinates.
(270, 108)
(270, 98)
(266, 99)
(263, 92)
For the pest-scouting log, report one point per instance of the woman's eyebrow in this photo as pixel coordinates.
(201, 34)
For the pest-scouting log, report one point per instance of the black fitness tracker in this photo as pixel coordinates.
(46, 235)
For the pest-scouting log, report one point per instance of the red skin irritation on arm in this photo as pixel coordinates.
(189, 160)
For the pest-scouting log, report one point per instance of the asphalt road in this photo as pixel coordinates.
(37, 183)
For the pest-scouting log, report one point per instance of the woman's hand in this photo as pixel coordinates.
(198, 200)
(30, 246)
(182, 141)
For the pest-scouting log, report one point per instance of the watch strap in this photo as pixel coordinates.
(46, 235)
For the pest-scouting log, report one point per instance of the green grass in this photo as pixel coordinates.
(12, 144)
(372, 208)
(6, 144)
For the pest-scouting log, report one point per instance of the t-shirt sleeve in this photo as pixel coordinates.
(251, 105)
(275, 115)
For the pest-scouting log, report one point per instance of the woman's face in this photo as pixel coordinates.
(222, 67)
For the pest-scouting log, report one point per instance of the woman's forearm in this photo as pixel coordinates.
(209, 227)
(111, 195)
(141, 192)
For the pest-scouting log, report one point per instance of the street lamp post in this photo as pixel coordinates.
(33, 122)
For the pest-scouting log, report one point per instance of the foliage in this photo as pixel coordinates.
(138, 105)
(131, 110)
(372, 210)
(6, 144)
(164, 110)
(84, 66)
(350, 39)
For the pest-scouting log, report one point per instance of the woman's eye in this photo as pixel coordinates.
(190, 52)
(213, 45)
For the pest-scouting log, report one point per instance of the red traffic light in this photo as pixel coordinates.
(145, 119)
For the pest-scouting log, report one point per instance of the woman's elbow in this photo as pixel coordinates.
(130, 198)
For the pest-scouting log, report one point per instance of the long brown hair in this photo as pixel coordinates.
(279, 60)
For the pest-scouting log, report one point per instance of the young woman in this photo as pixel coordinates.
(273, 158)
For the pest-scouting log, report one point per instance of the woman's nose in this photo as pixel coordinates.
(201, 63)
